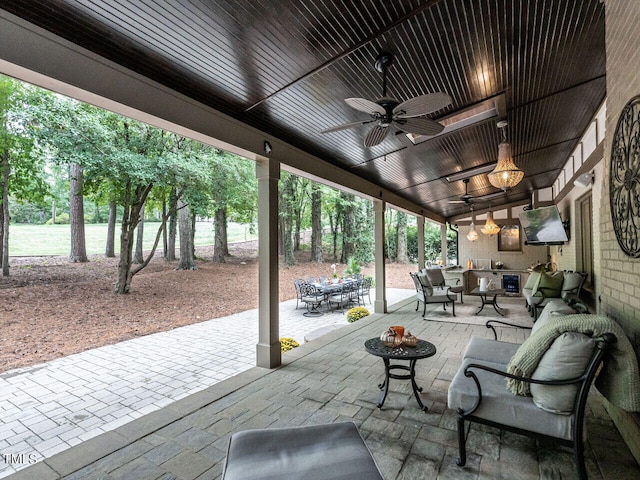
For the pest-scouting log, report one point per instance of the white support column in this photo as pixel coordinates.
(420, 243)
(380, 304)
(443, 242)
(268, 347)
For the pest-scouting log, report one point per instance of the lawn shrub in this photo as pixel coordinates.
(356, 313)
(287, 344)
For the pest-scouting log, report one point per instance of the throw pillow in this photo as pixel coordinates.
(531, 281)
(550, 312)
(567, 358)
(570, 284)
(550, 285)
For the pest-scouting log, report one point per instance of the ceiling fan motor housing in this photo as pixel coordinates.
(388, 104)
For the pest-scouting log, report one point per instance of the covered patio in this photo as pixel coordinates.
(264, 82)
(334, 379)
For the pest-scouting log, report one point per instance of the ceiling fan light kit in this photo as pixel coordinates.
(386, 112)
(490, 227)
(506, 175)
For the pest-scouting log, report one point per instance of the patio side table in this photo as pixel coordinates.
(483, 294)
(423, 349)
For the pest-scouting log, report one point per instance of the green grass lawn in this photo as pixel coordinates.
(28, 240)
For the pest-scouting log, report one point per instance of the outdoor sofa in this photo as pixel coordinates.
(542, 287)
(540, 388)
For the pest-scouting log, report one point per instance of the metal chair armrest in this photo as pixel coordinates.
(489, 325)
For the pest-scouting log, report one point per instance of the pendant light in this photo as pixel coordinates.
(506, 175)
(472, 236)
(490, 228)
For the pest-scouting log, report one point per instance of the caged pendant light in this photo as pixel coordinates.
(506, 175)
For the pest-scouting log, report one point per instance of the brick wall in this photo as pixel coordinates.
(619, 285)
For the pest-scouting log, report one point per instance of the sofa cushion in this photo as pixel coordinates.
(531, 281)
(554, 308)
(485, 349)
(567, 358)
(424, 281)
(323, 452)
(571, 283)
(501, 406)
(550, 285)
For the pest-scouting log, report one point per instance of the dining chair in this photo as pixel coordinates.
(313, 298)
(297, 283)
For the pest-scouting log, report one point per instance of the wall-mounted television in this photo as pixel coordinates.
(543, 226)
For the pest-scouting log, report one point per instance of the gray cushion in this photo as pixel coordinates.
(566, 358)
(435, 276)
(554, 308)
(424, 281)
(439, 295)
(501, 406)
(550, 285)
(317, 452)
(534, 277)
(484, 349)
(570, 284)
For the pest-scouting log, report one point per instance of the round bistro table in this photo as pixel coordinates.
(423, 349)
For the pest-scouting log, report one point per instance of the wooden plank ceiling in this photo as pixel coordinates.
(286, 67)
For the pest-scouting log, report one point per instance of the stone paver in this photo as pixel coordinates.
(333, 379)
(48, 408)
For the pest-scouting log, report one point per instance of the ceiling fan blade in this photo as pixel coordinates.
(458, 201)
(417, 106)
(345, 126)
(364, 105)
(419, 126)
(491, 196)
(376, 136)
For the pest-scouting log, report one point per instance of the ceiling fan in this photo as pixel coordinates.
(468, 199)
(408, 116)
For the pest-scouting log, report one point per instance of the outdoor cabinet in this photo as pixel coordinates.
(511, 280)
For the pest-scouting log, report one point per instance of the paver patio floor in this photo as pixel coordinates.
(334, 379)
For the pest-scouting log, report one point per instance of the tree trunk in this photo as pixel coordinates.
(280, 234)
(111, 231)
(4, 214)
(123, 283)
(173, 224)
(348, 227)
(316, 224)
(76, 216)
(193, 235)
(218, 235)
(225, 236)
(53, 212)
(401, 242)
(164, 230)
(130, 219)
(138, 256)
(187, 262)
(333, 223)
(288, 214)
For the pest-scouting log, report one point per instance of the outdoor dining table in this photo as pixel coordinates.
(329, 288)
